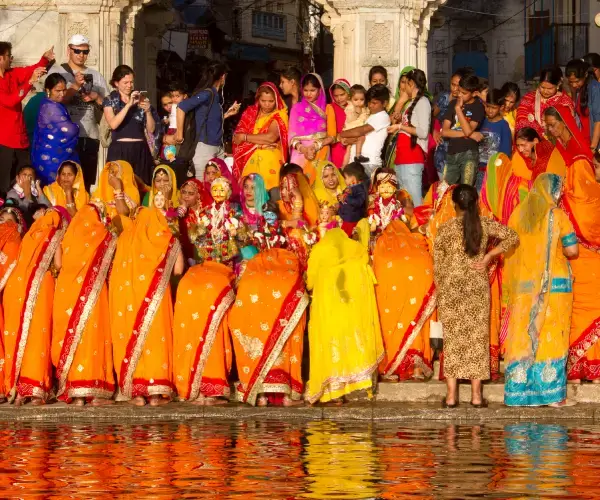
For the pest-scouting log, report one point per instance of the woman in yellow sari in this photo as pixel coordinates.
(117, 189)
(260, 142)
(12, 226)
(406, 301)
(163, 180)
(344, 331)
(267, 326)
(202, 354)
(329, 182)
(540, 298)
(81, 339)
(68, 190)
(27, 301)
(141, 308)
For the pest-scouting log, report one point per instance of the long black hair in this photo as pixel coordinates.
(512, 88)
(551, 74)
(417, 76)
(581, 69)
(466, 198)
(212, 72)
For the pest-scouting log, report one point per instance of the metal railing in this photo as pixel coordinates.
(556, 45)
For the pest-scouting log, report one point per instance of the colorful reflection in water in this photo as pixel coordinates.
(274, 459)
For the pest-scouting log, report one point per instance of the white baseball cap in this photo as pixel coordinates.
(79, 40)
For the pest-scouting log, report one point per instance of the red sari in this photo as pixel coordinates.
(336, 119)
(530, 112)
(243, 151)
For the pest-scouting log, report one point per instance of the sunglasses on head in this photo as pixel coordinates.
(81, 51)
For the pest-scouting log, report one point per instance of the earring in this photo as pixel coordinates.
(48, 93)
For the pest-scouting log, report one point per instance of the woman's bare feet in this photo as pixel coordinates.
(37, 402)
(102, 402)
(563, 403)
(289, 402)
(215, 401)
(137, 401)
(334, 402)
(78, 402)
(574, 381)
(19, 401)
(596, 381)
(390, 378)
(158, 401)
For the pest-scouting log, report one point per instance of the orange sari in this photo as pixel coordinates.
(81, 341)
(406, 300)
(140, 305)
(10, 240)
(28, 307)
(267, 326)
(201, 343)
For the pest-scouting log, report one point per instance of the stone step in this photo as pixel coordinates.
(434, 391)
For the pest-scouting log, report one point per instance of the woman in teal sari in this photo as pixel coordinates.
(540, 298)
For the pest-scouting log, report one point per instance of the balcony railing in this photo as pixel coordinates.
(557, 45)
(269, 25)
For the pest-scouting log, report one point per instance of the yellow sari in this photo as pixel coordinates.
(344, 331)
(406, 300)
(201, 343)
(56, 195)
(540, 299)
(105, 193)
(267, 326)
(27, 301)
(174, 200)
(81, 340)
(140, 304)
(321, 192)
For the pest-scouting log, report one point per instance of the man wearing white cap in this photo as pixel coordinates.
(86, 89)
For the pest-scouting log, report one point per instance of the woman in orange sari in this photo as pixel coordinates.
(68, 190)
(28, 301)
(81, 340)
(260, 142)
(117, 189)
(12, 226)
(581, 202)
(141, 308)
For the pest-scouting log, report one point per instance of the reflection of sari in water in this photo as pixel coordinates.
(267, 326)
(406, 300)
(540, 298)
(336, 118)
(344, 331)
(530, 112)
(201, 342)
(105, 191)
(56, 195)
(321, 191)
(252, 158)
(308, 123)
(173, 201)
(141, 310)
(81, 338)
(581, 202)
(54, 140)
(28, 300)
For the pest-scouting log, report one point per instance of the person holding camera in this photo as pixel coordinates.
(129, 116)
(86, 89)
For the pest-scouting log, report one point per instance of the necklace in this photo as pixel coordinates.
(385, 213)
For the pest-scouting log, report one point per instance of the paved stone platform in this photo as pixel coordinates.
(355, 411)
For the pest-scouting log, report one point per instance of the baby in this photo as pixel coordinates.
(356, 115)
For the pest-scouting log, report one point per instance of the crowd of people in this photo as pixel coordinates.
(347, 235)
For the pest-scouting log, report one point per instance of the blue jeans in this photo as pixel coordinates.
(410, 177)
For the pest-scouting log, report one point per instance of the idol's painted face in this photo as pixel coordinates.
(159, 200)
(219, 192)
(326, 213)
(386, 190)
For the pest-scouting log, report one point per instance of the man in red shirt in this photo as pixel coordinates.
(15, 84)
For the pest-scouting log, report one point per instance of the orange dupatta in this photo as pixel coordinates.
(28, 326)
(10, 240)
(81, 292)
(141, 306)
(105, 192)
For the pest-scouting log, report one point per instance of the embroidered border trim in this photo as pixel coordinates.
(425, 311)
(224, 301)
(7, 274)
(93, 283)
(586, 341)
(145, 316)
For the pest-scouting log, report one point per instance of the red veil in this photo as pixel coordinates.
(243, 151)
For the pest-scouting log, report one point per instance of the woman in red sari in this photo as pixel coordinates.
(581, 202)
(260, 142)
(193, 198)
(530, 112)
(336, 117)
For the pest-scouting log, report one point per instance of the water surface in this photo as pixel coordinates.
(280, 460)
